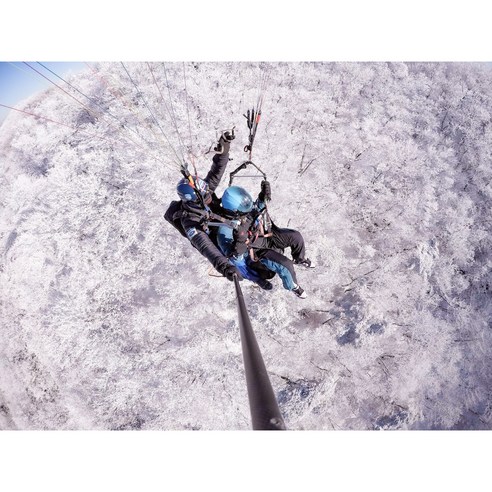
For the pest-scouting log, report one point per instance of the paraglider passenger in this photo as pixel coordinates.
(257, 243)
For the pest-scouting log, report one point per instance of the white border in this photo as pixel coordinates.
(353, 30)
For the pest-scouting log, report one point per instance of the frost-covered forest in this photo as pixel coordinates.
(111, 320)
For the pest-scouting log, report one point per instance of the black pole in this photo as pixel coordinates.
(265, 413)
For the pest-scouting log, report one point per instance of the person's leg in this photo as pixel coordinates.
(246, 272)
(289, 238)
(278, 263)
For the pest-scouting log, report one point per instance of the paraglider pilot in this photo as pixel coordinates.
(199, 204)
(236, 233)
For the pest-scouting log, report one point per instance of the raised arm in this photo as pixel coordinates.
(220, 160)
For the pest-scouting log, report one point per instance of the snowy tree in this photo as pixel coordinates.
(110, 319)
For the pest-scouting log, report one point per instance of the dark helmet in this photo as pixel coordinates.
(187, 193)
(237, 199)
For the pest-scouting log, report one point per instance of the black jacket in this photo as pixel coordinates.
(190, 219)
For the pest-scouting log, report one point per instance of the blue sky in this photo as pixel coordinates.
(18, 81)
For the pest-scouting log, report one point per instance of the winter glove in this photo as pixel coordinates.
(229, 135)
(266, 191)
(229, 271)
(225, 142)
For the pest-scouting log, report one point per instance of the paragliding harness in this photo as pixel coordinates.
(260, 226)
(252, 118)
(261, 222)
(176, 211)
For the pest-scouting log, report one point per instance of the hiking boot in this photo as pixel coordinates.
(304, 262)
(264, 284)
(299, 292)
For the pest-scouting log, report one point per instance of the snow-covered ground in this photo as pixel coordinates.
(110, 319)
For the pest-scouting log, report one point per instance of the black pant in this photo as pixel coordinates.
(269, 251)
(287, 238)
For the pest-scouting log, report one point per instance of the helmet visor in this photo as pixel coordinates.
(237, 199)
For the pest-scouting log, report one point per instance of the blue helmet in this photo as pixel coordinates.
(237, 199)
(187, 193)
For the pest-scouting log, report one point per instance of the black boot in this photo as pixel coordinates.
(304, 262)
(299, 292)
(264, 284)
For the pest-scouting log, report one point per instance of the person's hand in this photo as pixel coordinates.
(266, 191)
(229, 135)
(230, 271)
(224, 142)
